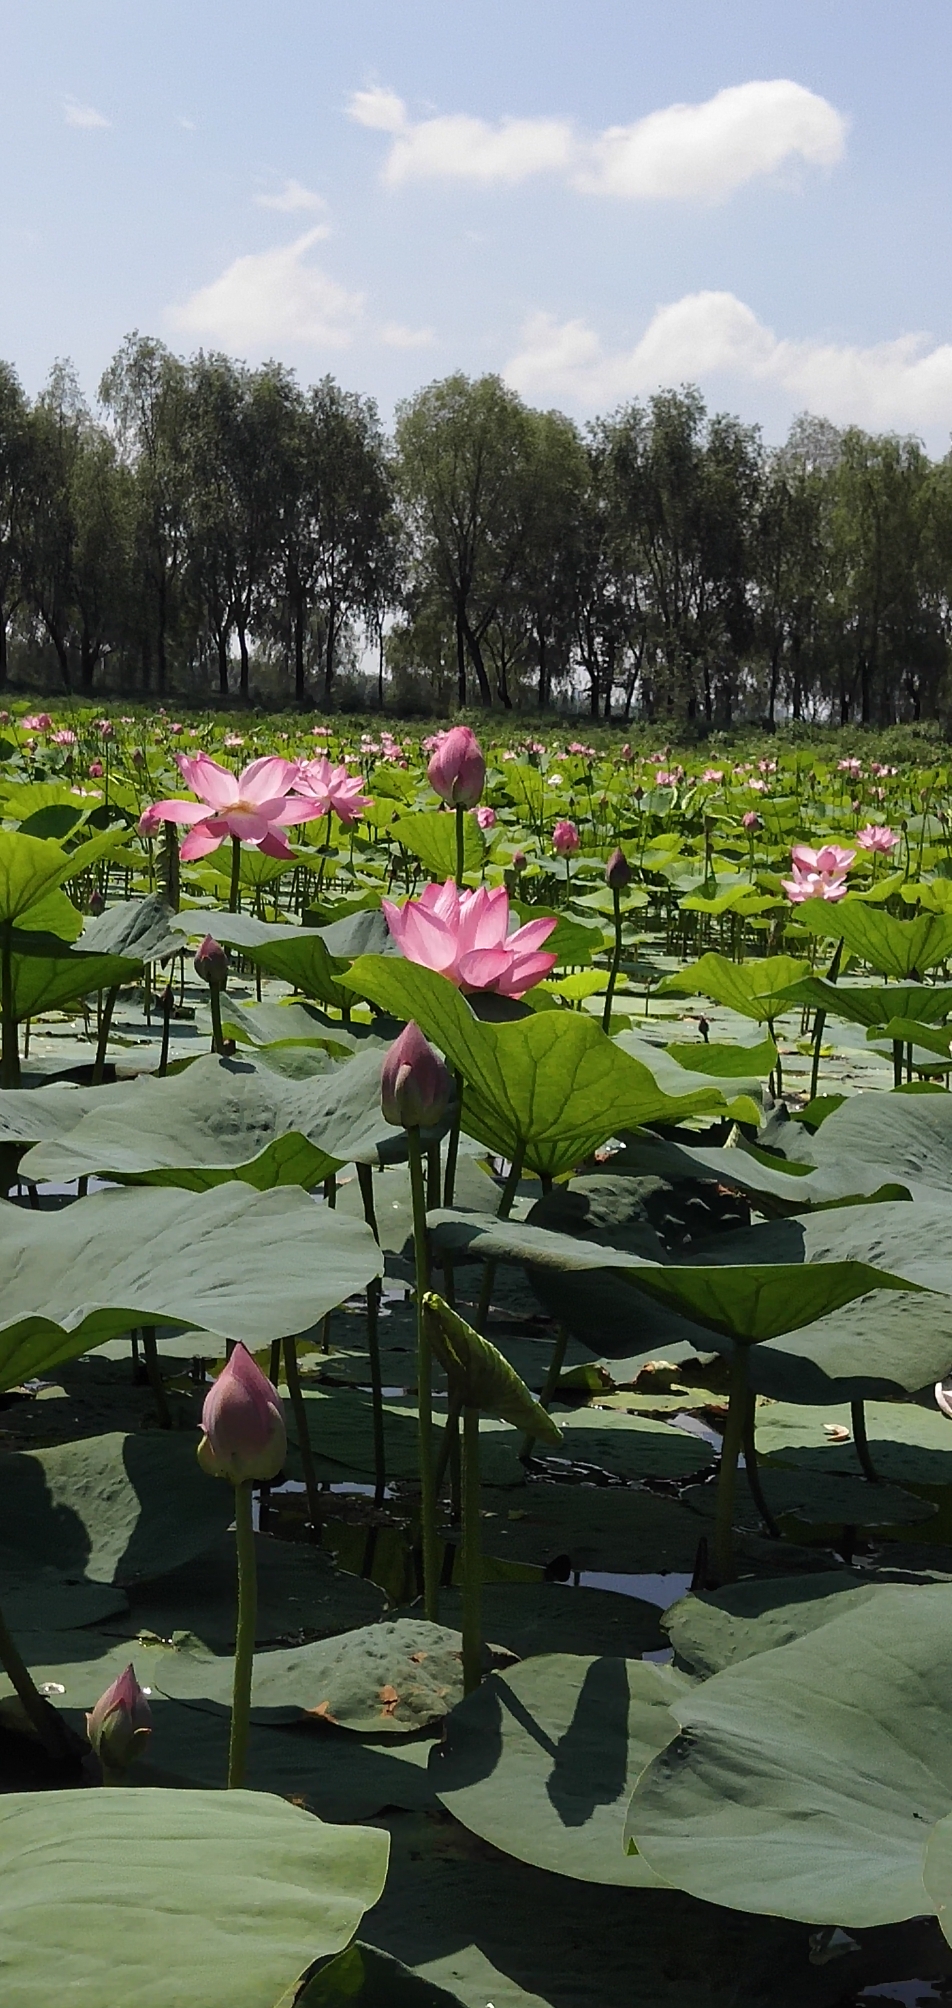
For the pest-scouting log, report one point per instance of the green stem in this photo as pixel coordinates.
(330, 1200)
(48, 1725)
(861, 1442)
(244, 1635)
(235, 875)
(450, 1431)
(727, 1475)
(752, 1470)
(472, 1554)
(616, 962)
(460, 845)
(424, 1385)
(365, 1180)
(99, 1063)
(552, 1378)
(168, 1000)
(214, 999)
(154, 1372)
(452, 1145)
(9, 1053)
(299, 1411)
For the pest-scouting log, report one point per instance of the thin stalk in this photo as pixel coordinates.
(424, 1384)
(472, 1554)
(452, 1145)
(299, 1412)
(214, 999)
(897, 1063)
(505, 1208)
(48, 1725)
(330, 1200)
(365, 1180)
(168, 1000)
(752, 1468)
(105, 1021)
(727, 1475)
(616, 961)
(861, 1441)
(234, 892)
(154, 1373)
(450, 1430)
(9, 1053)
(460, 844)
(820, 1021)
(552, 1378)
(432, 1175)
(244, 1635)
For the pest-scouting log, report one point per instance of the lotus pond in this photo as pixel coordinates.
(476, 1369)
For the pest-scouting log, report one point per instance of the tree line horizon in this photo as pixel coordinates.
(216, 527)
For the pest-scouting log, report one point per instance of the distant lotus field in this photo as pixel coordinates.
(476, 1367)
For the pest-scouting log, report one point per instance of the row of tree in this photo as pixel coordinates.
(215, 524)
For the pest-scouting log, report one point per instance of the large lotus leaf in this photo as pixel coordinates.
(151, 1897)
(878, 1347)
(247, 1265)
(227, 1119)
(303, 956)
(30, 869)
(432, 839)
(551, 1084)
(807, 1781)
(365, 1978)
(722, 1061)
(299, 1592)
(480, 1376)
(937, 1874)
(386, 1679)
(744, 1300)
(540, 1761)
(673, 1078)
(906, 1239)
(713, 1630)
(534, 1618)
(908, 1444)
(775, 1184)
(607, 1529)
(755, 989)
(910, 1136)
(144, 930)
(903, 949)
(816, 1506)
(873, 1004)
(51, 1111)
(285, 1024)
(51, 1598)
(111, 1509)
(50, 974)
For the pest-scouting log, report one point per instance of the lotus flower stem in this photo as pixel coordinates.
(168, 1001)
(365, 1180)
(861, 1441)
(460, 843)
(235, 888)
(214, 1000)
(820, 1021)
(424, 1383)
(154, 1373)
(9, 1052)
(505, 1208)
(727, 1475)
(450, 1431)
(552, 1378)
(330, 1200)
(616, 960)
(312, 1490)
(433, 1175)
(452, 1146)
(472, 1553)
(48, 1725)
(102, 1041)
(244, 1634)
(752, 1469)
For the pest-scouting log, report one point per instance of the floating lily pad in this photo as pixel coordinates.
(534, 1618)
(43, 1598)
(907, 1443)
(299, 1590)
(111, 1509)
(814, 1500)
(541, 1760)
(715, 1630)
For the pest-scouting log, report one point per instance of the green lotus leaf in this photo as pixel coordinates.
(724, 1062)
(807, 1781)
(152, 1896)
(143, 930)
(310, 958)
(902, 949)
(712, 1630)
(432, 838)
(874, 1004)
(49, 974)
(480, 1377)
(540, 1761)
(111, 1509)
(755, 989)
(299, 1591)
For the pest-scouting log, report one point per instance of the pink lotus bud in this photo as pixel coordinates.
(415, 1087)
(617, 872)
(121, 1722)
(519, 861)
(97, 904)
(95, 770)
(150, 821)
(457, 770)
(751, 820)
(243, 1420)
(565, 838)
(211, 963)
(486, 817)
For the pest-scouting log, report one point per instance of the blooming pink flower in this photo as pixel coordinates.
(565, 838)
(105, 728)
(243, 1420)
(465, 937)
(829, 859)
(120, 1723)
(666, 778)
(878, 837)
(457, 770)
(232, 739)
(415, 1087)
(254, 806)
(38, 721)
(176, 727)
(751, 820)
(64, 737)
(332, 788)
(849, 766)
(813, 885)
(485, 816)
(713, 774)
(95, 770)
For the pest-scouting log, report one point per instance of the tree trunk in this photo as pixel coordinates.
(460, 660)
(476, 658)
(381, 664)
(88, 658)
(3, 646)
(543, 671)
(774, 680)
(299, 686)
(243, 653)
(160, 639)
(222, 643)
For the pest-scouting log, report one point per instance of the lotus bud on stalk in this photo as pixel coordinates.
(457, 773)
(565, 838)
(97, 904)
(211, 964)
(618, 874)
(245, 1440)
(416, 1090)
(119, 1726)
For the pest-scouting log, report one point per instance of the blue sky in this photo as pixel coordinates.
(593, 197)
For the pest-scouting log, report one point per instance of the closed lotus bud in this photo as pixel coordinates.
(565, 838)
(415, 1087)
(243, 1420)
(457, 770)
(121, 1722)
(211, 963)
(519, 861)
(97, 904)
(704, 1029)
(617, 872)
(138, 757)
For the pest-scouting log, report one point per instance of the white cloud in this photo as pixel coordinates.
(293, 196)
(270, 298)
(84, 116)
(187, 125)
(904, 383)
(397, 336)
(683, 153)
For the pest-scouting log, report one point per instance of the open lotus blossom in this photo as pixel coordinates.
(814, 885)
(878, 837)
(465, 937)
(254, 806)
(243, 1420)
(830, 858)
(332, 788)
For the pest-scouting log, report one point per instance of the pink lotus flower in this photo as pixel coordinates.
(332, 788)
(64, 737)
(243, 1420)
(457, 770)
(466, 938)
(813, 885)
(254, 806)
(120, 1723)
(751, 820)
(668, 777)
(565, 838)
(849, 766)
(485, 816)
(38, 721)
(830, 858)
(416, 1088)
(878, 837)
(95, 770)
(713, 774)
